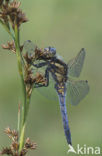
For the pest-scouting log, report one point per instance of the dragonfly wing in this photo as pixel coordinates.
(75, 65)
(76, 91)
(29, 47)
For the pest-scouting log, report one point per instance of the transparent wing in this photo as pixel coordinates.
(76, 91)
(75, 65)
(48, 92)
(29, 47)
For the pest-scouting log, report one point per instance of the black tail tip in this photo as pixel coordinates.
(70, 143)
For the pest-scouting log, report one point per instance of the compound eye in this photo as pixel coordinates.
(53, 50)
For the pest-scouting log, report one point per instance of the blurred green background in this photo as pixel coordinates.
(68, 25)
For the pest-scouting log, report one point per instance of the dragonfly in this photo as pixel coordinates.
(63, 75)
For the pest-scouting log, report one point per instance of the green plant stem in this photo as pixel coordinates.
(21, 142)
(26, 102)
(19, 59)
(19, 117)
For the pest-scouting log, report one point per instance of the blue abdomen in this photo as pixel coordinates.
(63, 109)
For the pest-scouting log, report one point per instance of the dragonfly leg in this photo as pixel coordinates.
(37, 85)
(39, 65)
(47, 76)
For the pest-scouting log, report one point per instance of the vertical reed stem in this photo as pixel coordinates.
(19, 58)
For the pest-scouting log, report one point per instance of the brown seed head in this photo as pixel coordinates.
(29, 144)
(10, 13)
(23, 152)
(15, 146)
(39, 78)
(7, 151)
(12, 134)
(10, 46)
(8, 131)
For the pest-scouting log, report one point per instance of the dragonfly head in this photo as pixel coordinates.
(51, 51)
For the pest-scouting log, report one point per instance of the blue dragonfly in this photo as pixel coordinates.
(62, 74)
